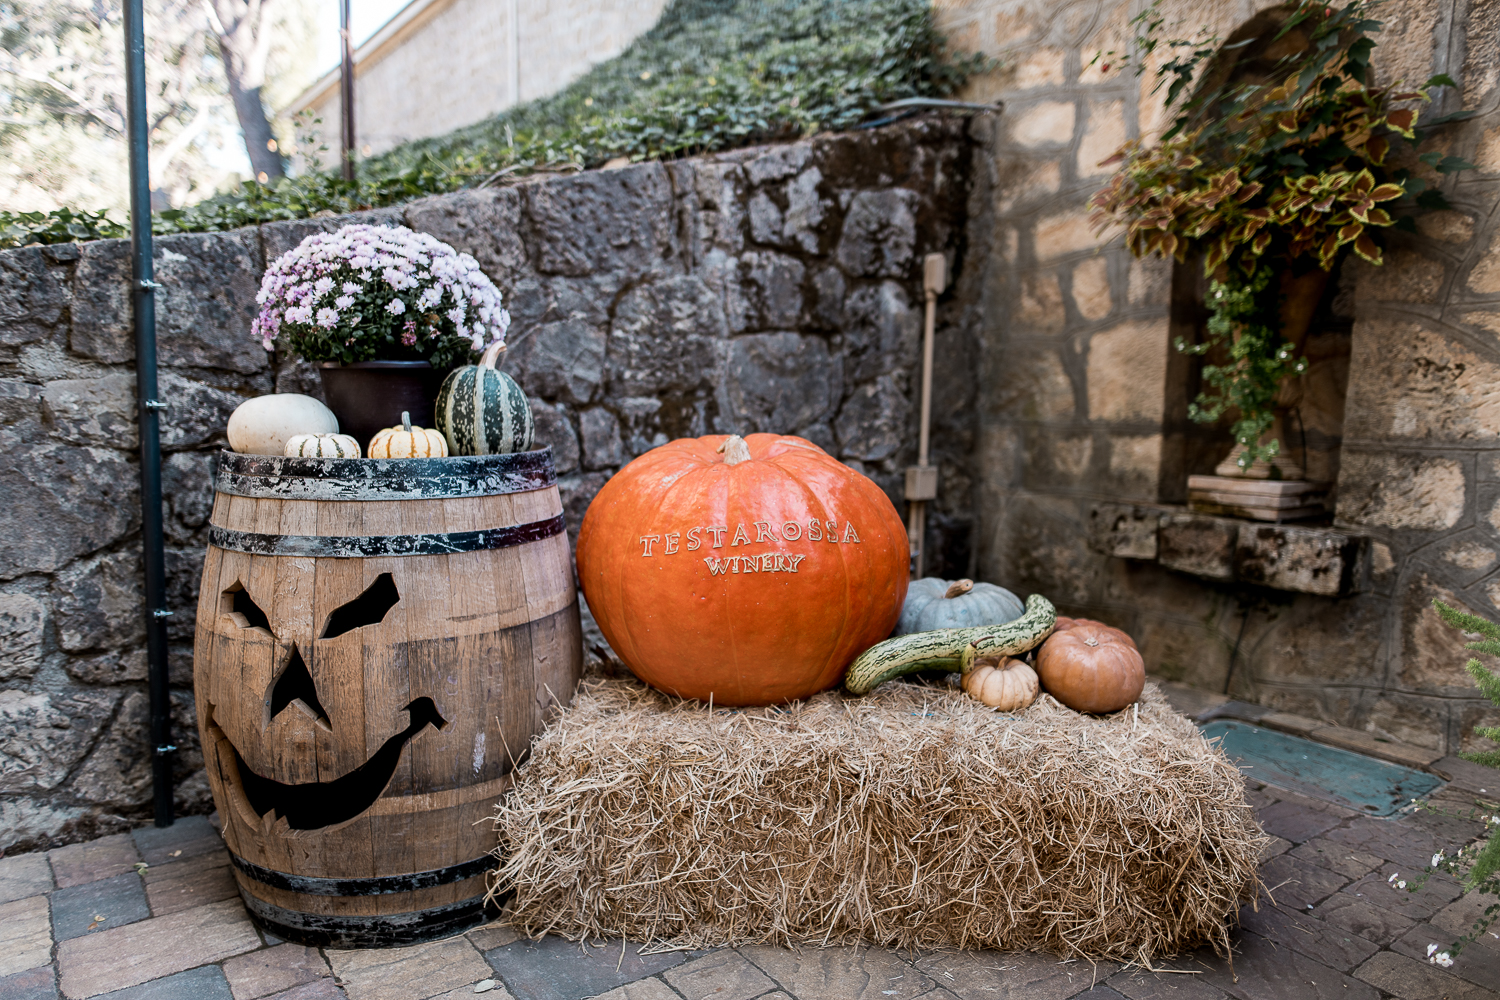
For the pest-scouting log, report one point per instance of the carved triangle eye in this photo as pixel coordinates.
(369, 608)
(238, 605)
(295, 687)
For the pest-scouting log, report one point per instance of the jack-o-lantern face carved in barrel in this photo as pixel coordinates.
(315, 804)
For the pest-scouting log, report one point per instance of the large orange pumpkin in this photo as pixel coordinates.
(750, 570)
(1090, 667)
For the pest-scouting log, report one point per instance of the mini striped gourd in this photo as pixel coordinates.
(482, 411)
(322, 446)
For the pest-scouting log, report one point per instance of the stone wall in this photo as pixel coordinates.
(1082, 418)
(774, 289)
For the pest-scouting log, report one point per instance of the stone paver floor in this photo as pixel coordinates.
(154, 915)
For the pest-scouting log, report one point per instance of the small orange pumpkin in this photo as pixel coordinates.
(1091, 667)
(750, 570)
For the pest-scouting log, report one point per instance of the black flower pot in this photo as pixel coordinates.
(370, 395)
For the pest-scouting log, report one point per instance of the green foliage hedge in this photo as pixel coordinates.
(711, 75)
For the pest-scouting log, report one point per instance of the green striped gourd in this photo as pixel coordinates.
(482, 411)
(322, 446)
(944, 648)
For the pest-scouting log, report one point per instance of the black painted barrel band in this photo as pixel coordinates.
(373, 931)
(378, 886)
(373, 546)
(273, 477)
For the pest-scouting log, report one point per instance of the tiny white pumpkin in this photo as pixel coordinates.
(1005, 683)
(263, 425)
(322, 446)
(407, 441)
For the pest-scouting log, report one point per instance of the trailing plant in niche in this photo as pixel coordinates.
(1296, 164)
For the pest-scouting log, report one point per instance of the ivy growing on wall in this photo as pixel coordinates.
(711, 75)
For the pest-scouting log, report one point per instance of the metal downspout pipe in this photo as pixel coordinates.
(143, 307)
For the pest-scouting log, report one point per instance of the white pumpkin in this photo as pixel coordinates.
(322, 446)
(1000, 682)
(263, 425)
(407, 441)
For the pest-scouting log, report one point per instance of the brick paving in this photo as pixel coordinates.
(153, 915)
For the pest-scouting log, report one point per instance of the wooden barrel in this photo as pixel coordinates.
(377, 644)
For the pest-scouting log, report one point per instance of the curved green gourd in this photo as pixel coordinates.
(928, 607)
(482, 411)
(944, 648)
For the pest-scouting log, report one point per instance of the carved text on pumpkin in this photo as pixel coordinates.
(817, 531)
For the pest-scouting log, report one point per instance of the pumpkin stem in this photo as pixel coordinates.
(735, 450)
(958, 588)
(492, 354)
(405, 422)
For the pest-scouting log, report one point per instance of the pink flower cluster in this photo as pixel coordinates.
(327, 277)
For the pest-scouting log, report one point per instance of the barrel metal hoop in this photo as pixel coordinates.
(379, 886)
(373, 931)
(272, 477)
(374, 546)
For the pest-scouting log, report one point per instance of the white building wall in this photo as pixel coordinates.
(443, 64)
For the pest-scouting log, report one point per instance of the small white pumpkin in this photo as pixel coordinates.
(407, 441)
(1002, 683)
(263, 425)
(322, 446)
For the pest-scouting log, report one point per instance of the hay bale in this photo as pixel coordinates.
(911, 817)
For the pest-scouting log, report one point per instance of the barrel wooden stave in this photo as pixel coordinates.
(467, 625)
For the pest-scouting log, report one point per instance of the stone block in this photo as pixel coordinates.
(1063, 234)
(1400, 490)
(207, 300)
(879, 235)
(1030, 384)
(43, 736)
(324, 989)
(1484, 277)
(882, 332)
(25, 935)
(562, 360)
(97, 906)
(33, 984)
(1307, 560)
(1364, 918)
(1123, 531)
(777, 162)
(23, 875)
(196, 414)
(117, 772)
(602, 448)
(187, 482)
(34, 292)
(1039, 306)
(1103, 136)
(1127, 371)
(554, 431)
(1302, 933)
(1046, 123)
(106, 857)
(779, 383)
(280, 968)
(1263, 969)
(601, 220)
(872, 425)
(1202, 546)
(92, 411)
(192, 881)
(151, 949)
(1406, 276)
(668, 336)
(1135, 465)
(21, 621)
(1346, 861)
(805, 211)
(1409, 382)
(644, 989)
(848, 973)
(485, 224)
(1478, 963)
(577, 492)
(771, 291)
(187, 837)
(1091, 291)
(765, 219)
(1024, 182)
(1433, 653)
(989, 973)
(1398, 975)
(101, 302)
(86, 497)
(499, 934)
(723, 975)
(207, 983)
(98, 603)
(555, 969)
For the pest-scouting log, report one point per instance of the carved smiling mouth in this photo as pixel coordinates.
(316, 804)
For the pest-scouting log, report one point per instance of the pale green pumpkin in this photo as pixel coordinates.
(932, 604)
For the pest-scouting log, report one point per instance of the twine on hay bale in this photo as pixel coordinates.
(911, 817)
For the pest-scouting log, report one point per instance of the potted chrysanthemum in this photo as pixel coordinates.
(385, 312)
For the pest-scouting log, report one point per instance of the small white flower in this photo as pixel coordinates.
(344, 301)
(1393, 878)
(1430, 949)
(1437, 859)
(350, 288)
(327, 318)
(1441, 958)
(1401, 884)
(395, 307)
(323, 286)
